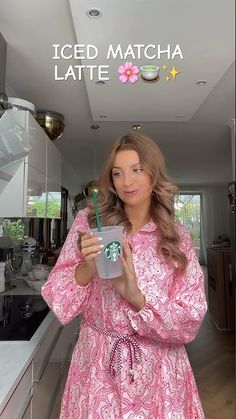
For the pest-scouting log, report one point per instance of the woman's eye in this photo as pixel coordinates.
(138, 169)
(116, 173)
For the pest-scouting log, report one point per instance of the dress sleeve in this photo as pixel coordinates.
(174, 318)
(61, 292)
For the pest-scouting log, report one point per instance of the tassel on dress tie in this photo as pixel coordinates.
(134, 351)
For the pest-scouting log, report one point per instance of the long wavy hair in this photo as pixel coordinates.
(163, 190)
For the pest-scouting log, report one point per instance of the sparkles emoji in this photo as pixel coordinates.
(174, 72)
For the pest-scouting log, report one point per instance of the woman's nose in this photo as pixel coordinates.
(128, 179)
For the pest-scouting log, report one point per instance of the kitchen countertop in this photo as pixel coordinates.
(16, 356)
(20, 288)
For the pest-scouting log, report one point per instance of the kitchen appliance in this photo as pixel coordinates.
(28, 248)
(6, 254)
(6, 247)
(20, 316)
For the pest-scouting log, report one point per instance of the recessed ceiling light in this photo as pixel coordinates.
(180, 116)
(102, 116)
(201, 83)
(136, 126)
(94, 13)
(100, 82)
(94, 126)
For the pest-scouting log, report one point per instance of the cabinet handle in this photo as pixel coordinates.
(21, 413)
(45, 362)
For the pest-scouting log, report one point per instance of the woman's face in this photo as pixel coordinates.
(132, 183)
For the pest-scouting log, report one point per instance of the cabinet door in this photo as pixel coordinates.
(62, 353)
(53, 199)
(229, 292)
(57, 405)
(44, 391)
(27, 414)
(12, 196)
(216, 287)
(67, 339)
(36, 195)
(20, 399)
(53, 162)
(46, 374)
(37, 156)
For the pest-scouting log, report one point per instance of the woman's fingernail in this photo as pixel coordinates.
(101, 245)
(98, 253)
(100, 238)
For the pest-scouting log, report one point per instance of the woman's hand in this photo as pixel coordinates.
(89, 247)
(126, 284)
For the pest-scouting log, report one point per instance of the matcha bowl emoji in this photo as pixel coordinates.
(150, 72)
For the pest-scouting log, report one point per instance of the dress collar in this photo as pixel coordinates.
(149, 227)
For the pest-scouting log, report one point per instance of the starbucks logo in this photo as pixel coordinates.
(112, 251)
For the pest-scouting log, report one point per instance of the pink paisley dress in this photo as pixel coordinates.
(146, 375)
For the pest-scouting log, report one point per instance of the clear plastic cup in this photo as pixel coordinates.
(108, 262)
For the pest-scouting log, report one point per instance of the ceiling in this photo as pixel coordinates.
(189, 122)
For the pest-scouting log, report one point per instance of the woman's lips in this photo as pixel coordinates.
(130, 193)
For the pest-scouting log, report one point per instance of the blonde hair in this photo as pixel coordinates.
(162, 206)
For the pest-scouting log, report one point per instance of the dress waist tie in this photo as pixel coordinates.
(134, 350)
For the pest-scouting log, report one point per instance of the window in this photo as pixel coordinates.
(188, 212)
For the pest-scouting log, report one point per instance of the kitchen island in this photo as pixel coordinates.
(27, 366)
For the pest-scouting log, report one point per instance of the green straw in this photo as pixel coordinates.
(95, 203)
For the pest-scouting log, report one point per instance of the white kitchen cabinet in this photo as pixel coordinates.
(38, 393)
(68, 337)
(25, 195)
(50, 367)
(12, 198)
(35, 187)
(53, 199)
(27, 414)
(53, 157)
(37, 157)
(53, 180)
(62, 353)
(19, 403)
(36, 193)
(56, 407)
(43, 354)
(44, 391)
(45, 374)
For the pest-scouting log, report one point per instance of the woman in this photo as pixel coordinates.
(130, 360)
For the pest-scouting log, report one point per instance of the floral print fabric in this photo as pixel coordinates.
(164, 385)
